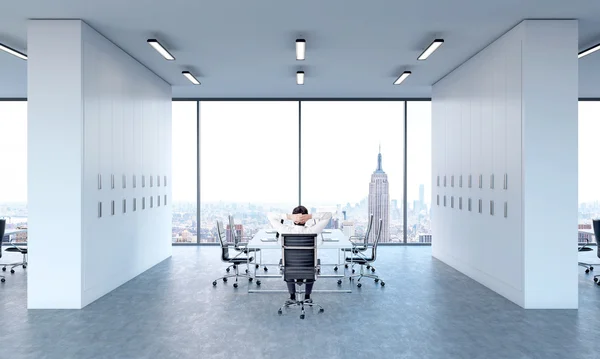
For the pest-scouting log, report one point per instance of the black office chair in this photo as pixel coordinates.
(2, 229)
(596, 223)
(241, 247)
(299, 265)
(361, 243)
(364, 261)
(236, 261)
(15, 249)
(584, 248)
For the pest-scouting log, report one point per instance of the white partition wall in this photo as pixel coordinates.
(505, 165)
(100, 137)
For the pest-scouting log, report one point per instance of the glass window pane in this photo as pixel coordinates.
(353, 163)
(13, 151)
(184, 171)
(418, 147)
(589, 171)
(248, 163)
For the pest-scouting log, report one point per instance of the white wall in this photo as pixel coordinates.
(491, 117)
(121, 127)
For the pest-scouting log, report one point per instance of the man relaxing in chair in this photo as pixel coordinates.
(303, 223)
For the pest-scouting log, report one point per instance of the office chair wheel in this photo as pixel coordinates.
(12, 271)
(214, 283)
(4, 269)
(235, 285)
(587, 271)
(368, 267)
(345, 266)
(339, 282)
(266, 269)
(250, 279)
(24, 266)
(227, 270)
(321, 310)
(257, 266)
(301, 316)
(224, 279)
(382, 283)
(246, 271)
(353, 271)
(335, 268)
(359, 285)
(257, 282)
(373, 270)
(280, 312)
(591, 268)
(595, 280)
(376, 280)
(2, 280)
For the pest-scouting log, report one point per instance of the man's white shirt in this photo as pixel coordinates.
(316, 224)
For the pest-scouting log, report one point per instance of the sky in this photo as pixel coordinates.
(249, 151)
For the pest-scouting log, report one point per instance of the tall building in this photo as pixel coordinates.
(379, 202)
(421, 196)
(239, 232)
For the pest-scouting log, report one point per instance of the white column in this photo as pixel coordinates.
(97, 120)
(55, 162)
(550, 95)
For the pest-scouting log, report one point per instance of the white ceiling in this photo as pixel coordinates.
(242, 48)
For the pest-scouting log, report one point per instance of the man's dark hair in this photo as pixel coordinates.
(300, 210)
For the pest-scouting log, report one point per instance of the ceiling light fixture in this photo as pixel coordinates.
(300, 49)
(161, 49)
(13, 52)
(430, 49)
(402, 77)
(191, 77)
(300, 77)
(588, 51)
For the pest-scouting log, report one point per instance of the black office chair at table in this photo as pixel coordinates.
(300, 266)
(2, 228)
(236, 261)
(364, 261)
(239, 245)
(596, 223)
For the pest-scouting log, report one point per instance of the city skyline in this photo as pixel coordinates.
(379, 202)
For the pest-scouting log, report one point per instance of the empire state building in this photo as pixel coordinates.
(379, 202)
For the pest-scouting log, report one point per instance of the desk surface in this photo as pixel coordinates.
(322, 243)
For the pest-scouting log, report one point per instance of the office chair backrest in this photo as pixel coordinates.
(377, 238)
(368, 230)
(234, 236)
(221, 236)
(299, 256)
(2, 229)
(596, 224)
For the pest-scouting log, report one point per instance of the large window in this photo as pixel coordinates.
(185, 171)
(353, 163)
(418, 172)
(13, 151)
(248, 163)
(589, 171)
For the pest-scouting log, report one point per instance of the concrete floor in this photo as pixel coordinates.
(426, 310)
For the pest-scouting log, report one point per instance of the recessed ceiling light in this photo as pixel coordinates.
(13, 52)
(300, 77)
(430, 49)
(191, 77)
(300, 49)
(589, 51)
(161, 50)
(402, 77)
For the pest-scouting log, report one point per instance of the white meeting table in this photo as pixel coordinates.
(265, 239)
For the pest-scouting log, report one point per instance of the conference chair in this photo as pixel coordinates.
(363, 261)
(241, 247)
(584, 248)
(2, 229)
(236, 261)
(299, 265)
(22, 263)
(360, 243)
(596, 225)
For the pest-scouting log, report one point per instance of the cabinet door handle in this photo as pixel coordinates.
(444, 200)
(452, 202)
(506, 181)
(491, 208)
(99, 181)
(480, 205)
(469, 207)
(135, 204)
(460, 181)
(158, 181)
(124, 181)
(444, 180)
(438, 199)
(165, 199)
(124, 205)
(438, 180)
(112, 208)
(492, 181)
(112, 181)
(480, 181)
(99, 209)
(134, 182)
(470, 181)
(151, 182)
(452, 181)
(143, 181)
(165, 181)
(505, 209)
(460, 203)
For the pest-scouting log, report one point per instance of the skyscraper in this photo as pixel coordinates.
(379, 202)
(421, 196)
